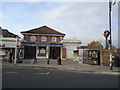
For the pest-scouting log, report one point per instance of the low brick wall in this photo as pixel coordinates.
(104, 57)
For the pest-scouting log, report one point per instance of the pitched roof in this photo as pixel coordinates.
(43, 30)
(6, 33)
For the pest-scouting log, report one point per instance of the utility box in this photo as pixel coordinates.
(116, 61)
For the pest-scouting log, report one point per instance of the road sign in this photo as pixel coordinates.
(106, 33)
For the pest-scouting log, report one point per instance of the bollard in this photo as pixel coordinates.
(59, 61)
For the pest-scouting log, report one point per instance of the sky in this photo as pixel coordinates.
(84, 20)
(119, 25)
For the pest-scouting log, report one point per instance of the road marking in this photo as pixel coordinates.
(42, 73)
(39, 68)
(51, 69)
(36, 68)
(13, 67)
(11, 72)
(25, 67)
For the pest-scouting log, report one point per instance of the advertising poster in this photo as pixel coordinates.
(80, 56)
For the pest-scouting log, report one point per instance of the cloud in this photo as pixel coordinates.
(56, 0)
(86, 21)
(74, 19)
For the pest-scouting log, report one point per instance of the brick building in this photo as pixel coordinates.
(95, 44)
(7, 42)
(42, 42)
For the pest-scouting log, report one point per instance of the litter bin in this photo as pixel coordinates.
(116, 61)
(59, 61)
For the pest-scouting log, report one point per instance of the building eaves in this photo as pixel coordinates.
(6, 33)
(43, 30)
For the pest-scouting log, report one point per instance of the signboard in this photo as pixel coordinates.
(80, 59)
(106, 33)
(42, 51)
(10, 45)
(31, 43)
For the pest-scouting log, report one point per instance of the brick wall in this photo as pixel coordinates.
(105, 57)
(63, 53)
(38, 38)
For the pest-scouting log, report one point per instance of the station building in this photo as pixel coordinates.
(42, 43)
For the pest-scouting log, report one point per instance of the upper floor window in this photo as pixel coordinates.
(53, 39)
(1, 36)
(33, 38)
(61, 38)
(43, 38)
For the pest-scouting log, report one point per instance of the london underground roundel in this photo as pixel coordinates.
(106, 33)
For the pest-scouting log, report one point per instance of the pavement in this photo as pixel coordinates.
(66, 65)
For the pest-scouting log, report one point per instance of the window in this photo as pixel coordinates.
(1, 36)
(43, 38)
(41, 51)
(61, 38)
(53, 39)
(33, 38)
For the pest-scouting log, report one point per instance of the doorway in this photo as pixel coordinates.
(30, 52)
(54, 52)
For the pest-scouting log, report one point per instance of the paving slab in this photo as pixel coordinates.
(67, 65)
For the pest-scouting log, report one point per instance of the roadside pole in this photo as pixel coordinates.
(48, 53)
(110, 5)
(110, 41)
(16, 50)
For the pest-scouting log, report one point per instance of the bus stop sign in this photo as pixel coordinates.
(106, 33)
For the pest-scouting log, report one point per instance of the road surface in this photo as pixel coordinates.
(33, 77)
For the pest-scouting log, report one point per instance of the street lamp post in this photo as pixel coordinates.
(110, 4)
(110, 41)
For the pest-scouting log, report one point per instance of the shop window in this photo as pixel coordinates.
(33, 38)
(53, 39)
(43, 38)
(41, 51)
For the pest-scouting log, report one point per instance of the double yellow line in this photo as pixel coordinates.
(33, 73)
(29, 68)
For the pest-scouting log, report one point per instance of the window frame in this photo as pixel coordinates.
(41, 51)
(33, 38)
(54, 39)
(43, 38)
